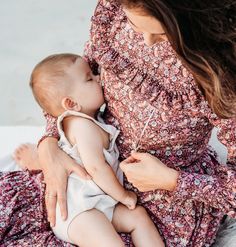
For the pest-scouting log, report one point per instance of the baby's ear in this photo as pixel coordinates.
(69, 104)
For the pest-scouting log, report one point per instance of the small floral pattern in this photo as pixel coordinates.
(23, 219)
(137, 80)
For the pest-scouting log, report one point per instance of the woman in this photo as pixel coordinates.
(169, 68)
(176, 58)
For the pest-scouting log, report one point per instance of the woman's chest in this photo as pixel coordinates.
(162, 124)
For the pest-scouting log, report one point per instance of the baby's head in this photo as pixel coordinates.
(65, 82)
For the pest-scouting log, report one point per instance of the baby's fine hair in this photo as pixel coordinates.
(49, 81)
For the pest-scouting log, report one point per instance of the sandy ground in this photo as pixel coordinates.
(31, 30)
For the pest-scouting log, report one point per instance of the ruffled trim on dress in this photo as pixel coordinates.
(178, 90)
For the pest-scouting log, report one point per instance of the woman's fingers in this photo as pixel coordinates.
(56, 187)
(129, 169)
(133, 160)
(56, 166)
(139, 156)
(149, 173)
(61, 198)
(51, 201)
(57, 191)
(124, 165)
(128, 160)
(136, 167)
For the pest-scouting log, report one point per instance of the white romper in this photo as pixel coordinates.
(83, 195)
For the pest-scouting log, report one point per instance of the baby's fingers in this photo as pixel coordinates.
(132, 206)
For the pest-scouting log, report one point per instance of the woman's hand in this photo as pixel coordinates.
(57, 166)
(146, 172)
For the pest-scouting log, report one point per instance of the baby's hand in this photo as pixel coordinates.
(130, 200)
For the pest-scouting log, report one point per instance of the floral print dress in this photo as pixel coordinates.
(139, 80)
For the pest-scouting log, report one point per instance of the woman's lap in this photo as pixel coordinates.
(23, 220)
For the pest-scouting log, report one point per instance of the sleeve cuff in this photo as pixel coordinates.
(46, 136)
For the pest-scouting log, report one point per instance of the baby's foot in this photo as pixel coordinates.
(26, 156)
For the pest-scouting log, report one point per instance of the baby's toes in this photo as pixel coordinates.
(18, 152)
(16, 157)
(20, 148)
(24, 146)
(27, 147)
(31, 147)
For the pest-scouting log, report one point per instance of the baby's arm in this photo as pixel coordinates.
(87, 136)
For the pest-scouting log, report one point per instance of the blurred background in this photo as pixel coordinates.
(30, 31)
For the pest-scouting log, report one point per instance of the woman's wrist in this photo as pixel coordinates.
(173, 175)
(47, 150)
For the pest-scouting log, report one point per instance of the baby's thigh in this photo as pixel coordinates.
(126, 220)
(92, 228)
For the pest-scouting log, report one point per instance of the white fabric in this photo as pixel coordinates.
(13, 136)
(83, 195)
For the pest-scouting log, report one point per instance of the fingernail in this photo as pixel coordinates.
(51, 224)
(63, 217)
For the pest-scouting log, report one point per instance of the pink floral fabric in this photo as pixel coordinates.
(137, 80)
(23, 219)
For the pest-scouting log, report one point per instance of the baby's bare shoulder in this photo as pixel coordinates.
(83, 128)
(82, 123)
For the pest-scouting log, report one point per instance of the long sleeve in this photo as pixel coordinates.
(217, 188)
(51, 127)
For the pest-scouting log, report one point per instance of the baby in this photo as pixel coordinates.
(65, 87)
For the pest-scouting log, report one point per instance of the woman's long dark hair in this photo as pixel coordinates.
(203, 34)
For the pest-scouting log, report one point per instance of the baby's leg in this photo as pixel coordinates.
(26, 156)
(92, 228)
(138, 223)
